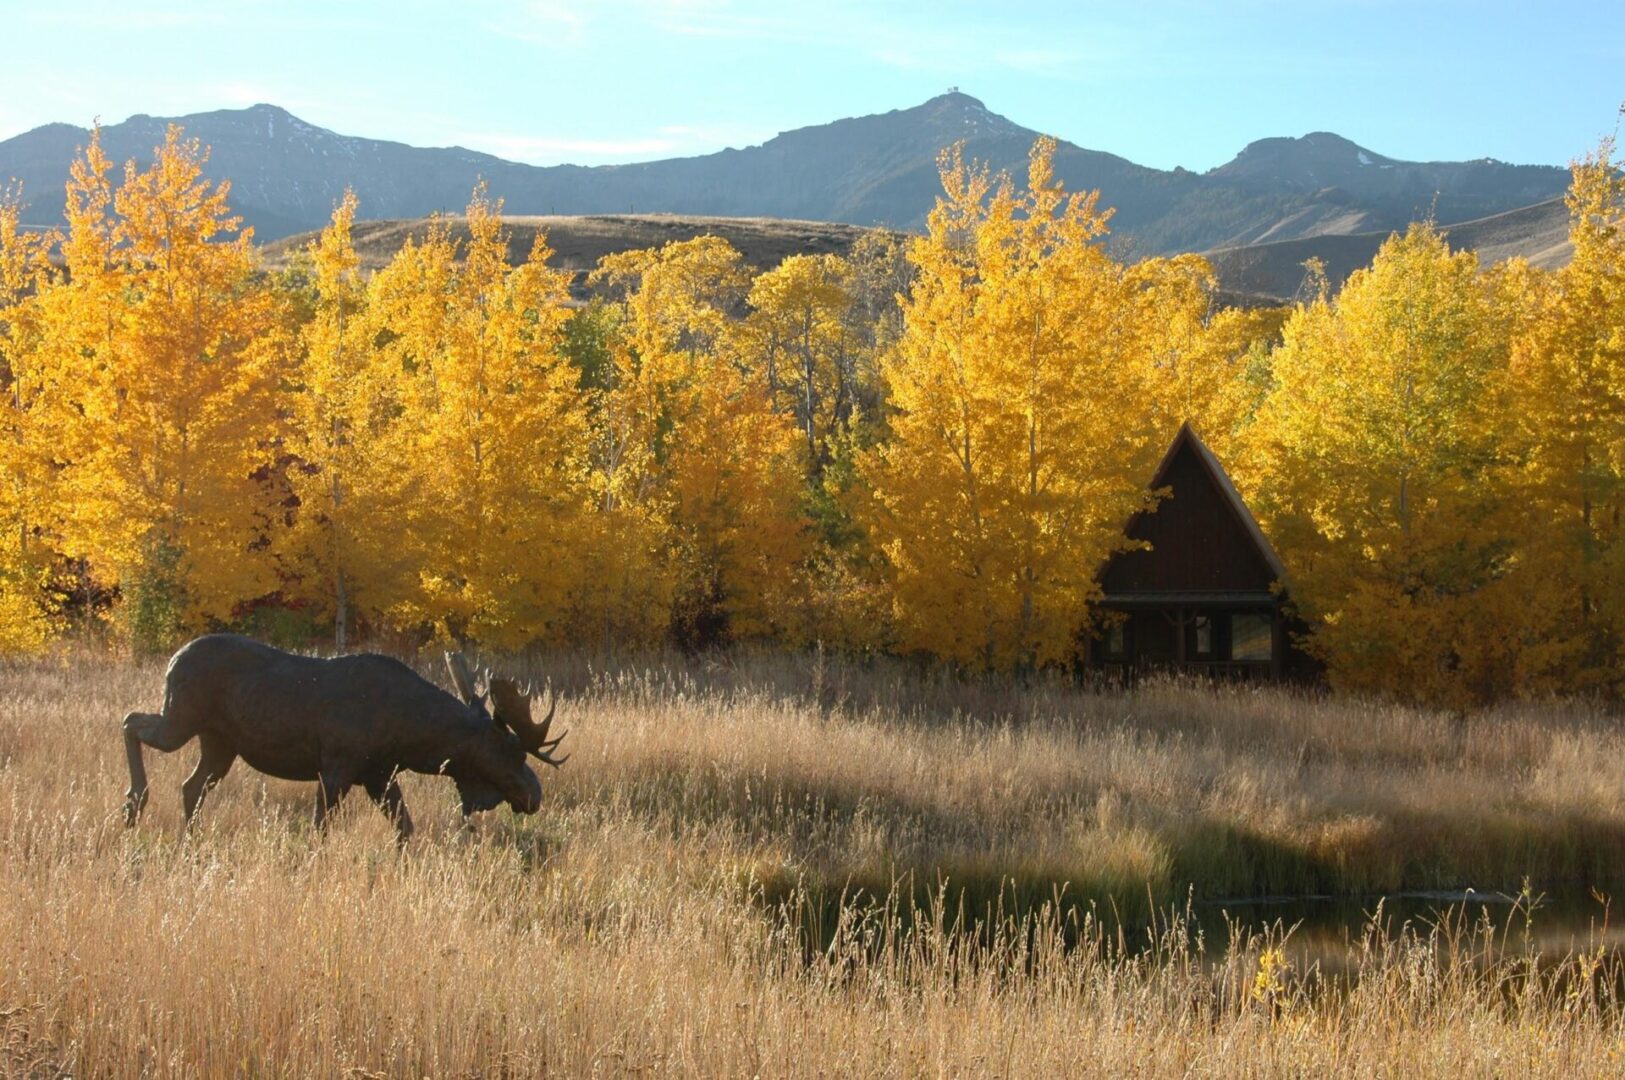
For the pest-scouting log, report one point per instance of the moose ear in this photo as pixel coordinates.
(461, 677)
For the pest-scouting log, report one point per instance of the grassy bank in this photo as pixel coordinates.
(775, 866)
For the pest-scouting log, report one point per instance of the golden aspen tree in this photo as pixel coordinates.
(802, 341)
(733, 476)
(727, 460)
(627, 581)
(1381, 476)
(171, 356)
(341, 523)
(406, 312)
(26, 436)
(1569, 370)
(1021, 437)
(817, 326)
(799, 340)
(1197, 355)
(847, 597)
(499, 445)
(879, 274)
(680, 298)
(82, 321)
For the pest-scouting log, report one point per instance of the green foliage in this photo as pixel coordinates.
(588, 341)
(153, 604)
(282, 626)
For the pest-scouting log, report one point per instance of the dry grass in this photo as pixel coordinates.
(677, 906)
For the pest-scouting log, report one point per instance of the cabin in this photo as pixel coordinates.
(1202, 592)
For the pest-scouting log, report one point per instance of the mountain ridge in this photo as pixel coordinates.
(879, 169)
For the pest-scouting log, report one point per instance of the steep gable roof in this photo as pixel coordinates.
(1202, 538)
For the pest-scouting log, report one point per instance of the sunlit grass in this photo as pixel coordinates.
(783, 866)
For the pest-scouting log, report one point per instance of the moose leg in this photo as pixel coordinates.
(330, 791)
(386, 792)
(215, 762)
(157, 731)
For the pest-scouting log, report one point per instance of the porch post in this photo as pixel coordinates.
(1277, 642)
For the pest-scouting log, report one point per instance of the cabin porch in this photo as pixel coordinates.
(1229, 637)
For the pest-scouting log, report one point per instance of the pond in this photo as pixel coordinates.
(1327, 931)
(1320, 926)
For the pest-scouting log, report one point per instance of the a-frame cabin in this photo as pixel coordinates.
(1206, 595)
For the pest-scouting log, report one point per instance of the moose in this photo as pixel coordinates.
(358, 719)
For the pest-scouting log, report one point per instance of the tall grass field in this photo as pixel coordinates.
(801, 866)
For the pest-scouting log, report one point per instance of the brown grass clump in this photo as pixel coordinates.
(792, 867)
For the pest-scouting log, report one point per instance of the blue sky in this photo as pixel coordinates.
(548, 81)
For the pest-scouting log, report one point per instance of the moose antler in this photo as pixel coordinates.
(463, 679)
(517, 708)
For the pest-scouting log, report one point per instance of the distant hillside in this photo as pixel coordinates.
(1538, 233)
(578, 242)
(871, 170)
(1248, 276)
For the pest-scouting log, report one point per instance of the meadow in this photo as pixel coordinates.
(802, 865)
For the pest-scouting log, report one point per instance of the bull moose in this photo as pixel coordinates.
(359, 719)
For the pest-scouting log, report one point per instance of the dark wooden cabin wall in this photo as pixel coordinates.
(1197, 544)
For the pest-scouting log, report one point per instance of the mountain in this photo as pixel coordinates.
(285, 174)
(1372, 185)
(1275, 270)
(871, 170)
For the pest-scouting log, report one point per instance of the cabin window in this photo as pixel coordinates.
(1252, 636)
(1202, 636)
(1116, 639)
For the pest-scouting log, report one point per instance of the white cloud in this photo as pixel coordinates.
(545, 149)
(554, 24)
(111, 17)
(559, 13)
(897, 37)
(1036, 61)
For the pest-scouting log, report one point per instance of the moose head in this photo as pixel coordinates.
(490, 767)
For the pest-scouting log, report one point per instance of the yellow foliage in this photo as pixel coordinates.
(627, 584)
(1034, 384)
(1568, 361)
(725, 462)
(25, 434)
(929, 445)
(678, 297)
(735, 480)
(798, 339)
(340, 552)
(167, 346)
(1380, 478)
(491, 438)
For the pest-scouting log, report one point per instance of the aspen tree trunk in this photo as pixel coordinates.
(1029, 582)
(812, 433)
(341, 616)
(17, 483)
